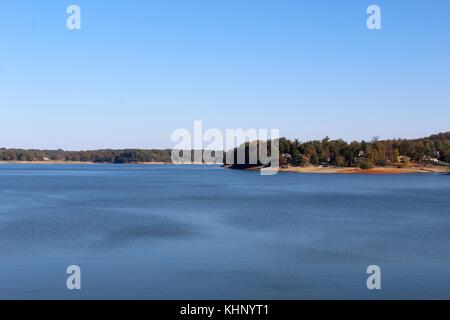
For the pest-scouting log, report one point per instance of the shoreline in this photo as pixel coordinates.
(46, 162)
(90, 163)
(301, 170)
(413, 169)
(372, 171)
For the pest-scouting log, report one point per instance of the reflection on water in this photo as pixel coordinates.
(188, 232)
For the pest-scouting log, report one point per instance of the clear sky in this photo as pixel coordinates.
(137, 70)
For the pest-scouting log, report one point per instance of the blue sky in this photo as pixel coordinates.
(137, 70)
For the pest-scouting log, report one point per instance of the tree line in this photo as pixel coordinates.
(434, 149)
(365, 154)
(96, 156)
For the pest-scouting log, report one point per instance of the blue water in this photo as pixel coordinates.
(203, 232)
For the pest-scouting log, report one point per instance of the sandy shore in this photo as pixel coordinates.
(378, 170)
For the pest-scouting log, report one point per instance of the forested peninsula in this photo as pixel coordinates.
(432, 150)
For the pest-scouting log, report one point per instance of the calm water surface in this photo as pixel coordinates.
(203, 232)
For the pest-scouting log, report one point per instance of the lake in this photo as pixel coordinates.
(204, 232)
